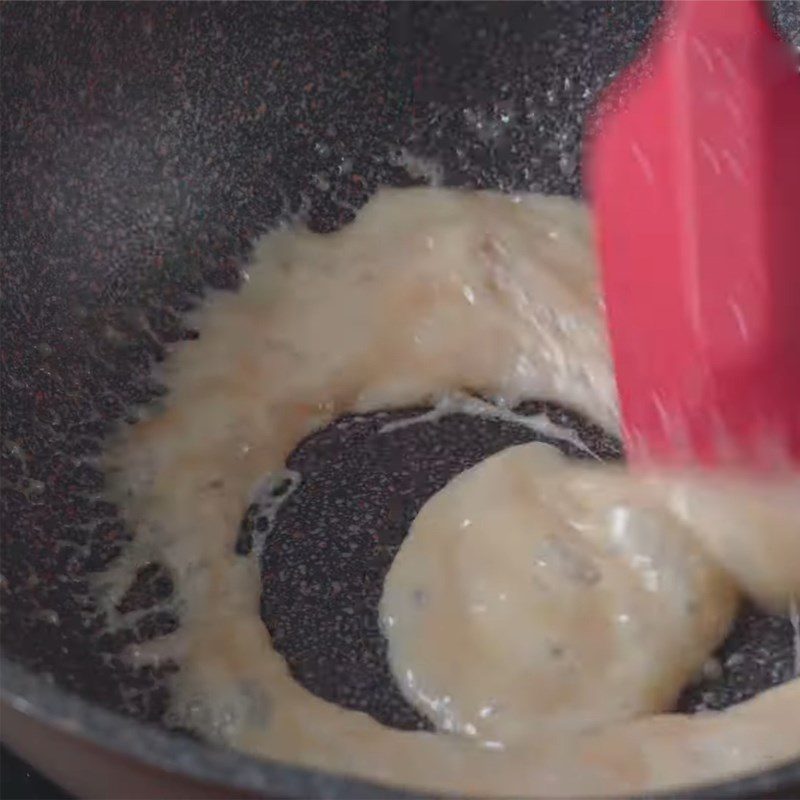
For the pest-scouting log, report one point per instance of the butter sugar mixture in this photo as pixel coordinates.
(543, 613)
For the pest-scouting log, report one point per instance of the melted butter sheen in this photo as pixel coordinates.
(430, 293)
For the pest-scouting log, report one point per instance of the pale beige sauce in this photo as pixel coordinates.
(429, 293)
(534, 593)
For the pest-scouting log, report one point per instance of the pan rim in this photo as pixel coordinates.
(35, 697)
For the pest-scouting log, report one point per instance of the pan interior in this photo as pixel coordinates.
(154, 150)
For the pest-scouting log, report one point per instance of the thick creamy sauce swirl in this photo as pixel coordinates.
(430, 293)
(533, 593)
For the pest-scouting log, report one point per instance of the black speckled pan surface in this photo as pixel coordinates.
(143, 147)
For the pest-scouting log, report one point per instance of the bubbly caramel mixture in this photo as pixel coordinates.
(428, 294)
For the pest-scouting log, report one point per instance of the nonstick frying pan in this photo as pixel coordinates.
(144, 146)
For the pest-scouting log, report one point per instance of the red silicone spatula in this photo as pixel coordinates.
(694, 172)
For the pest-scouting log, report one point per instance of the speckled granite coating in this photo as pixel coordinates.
(143, 147)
